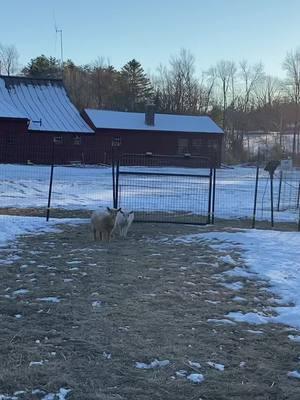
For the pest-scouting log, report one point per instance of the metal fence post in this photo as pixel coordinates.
(117, 181)
(299, 221)
(113, 175)
(115, 162)
(298, 196)
(271, 167)
(272, 198)
(50, 184)
(213, 197)
(279, 191)
(255, 197)
(209, 197)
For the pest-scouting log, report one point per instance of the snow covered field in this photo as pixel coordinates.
(91, 187)
(14, 226)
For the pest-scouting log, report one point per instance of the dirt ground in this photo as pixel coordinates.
(92, 310)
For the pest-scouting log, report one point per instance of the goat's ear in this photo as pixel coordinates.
(131, 212)
(119, 209)
(108, 209)
(122, 212)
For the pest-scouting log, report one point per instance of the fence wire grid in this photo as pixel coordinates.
(166, 198)
(77, 190)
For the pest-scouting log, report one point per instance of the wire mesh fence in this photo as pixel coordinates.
(163, 193)
(166, 197)
(162, 188)
(244, 197)
(237, 200)
(288, 194)
(74, 192)
(81, 188)
(162, 161)
(235, 191)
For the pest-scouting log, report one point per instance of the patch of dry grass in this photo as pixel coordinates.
(136, 299)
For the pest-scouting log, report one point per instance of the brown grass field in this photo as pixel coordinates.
(135, 300)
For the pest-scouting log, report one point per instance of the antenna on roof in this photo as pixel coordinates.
(60, 31)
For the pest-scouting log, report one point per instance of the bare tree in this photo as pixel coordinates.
(99, 67)
(291, 65)
(223, 73)
(252, 76)
(181, 77)
(206, 87)
(268, 91)
(177, 88)
(8, 59)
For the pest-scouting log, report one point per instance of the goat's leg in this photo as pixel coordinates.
(104, 236)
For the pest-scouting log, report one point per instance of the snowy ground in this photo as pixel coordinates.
(270, 255)
(12, 227)
(91, 187)
(190, 304)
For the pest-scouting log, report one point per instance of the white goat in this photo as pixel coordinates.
(123, 222)
(103, 223)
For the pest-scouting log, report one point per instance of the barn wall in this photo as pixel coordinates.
(12, 140)
(203, 145)
(17, 145)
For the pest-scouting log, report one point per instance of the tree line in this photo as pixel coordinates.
(240, 97)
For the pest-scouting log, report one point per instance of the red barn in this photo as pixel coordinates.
(163, 134)
(39, 122)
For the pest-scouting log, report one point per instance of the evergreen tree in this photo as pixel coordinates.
(137, 86)
(43, 67)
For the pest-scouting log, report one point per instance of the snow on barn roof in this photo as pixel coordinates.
(43, 101)
(163, 122)
(9, 111)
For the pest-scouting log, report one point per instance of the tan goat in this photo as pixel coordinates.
(103, 223)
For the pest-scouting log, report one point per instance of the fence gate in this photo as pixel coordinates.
(165, 188)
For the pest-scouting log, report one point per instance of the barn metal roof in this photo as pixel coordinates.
(103, 119)
(43, 101)
(8, 110)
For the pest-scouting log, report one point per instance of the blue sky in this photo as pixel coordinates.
(153, 30)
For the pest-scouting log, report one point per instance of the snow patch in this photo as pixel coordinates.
(195, 378)
(194, 364)
(233, 286)
(228, 260)
(260, 249)
(294, 338)
(219, 367)
(50, 299)
(221, 321)
(154, 364)
(250, 318)
(294, 374)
